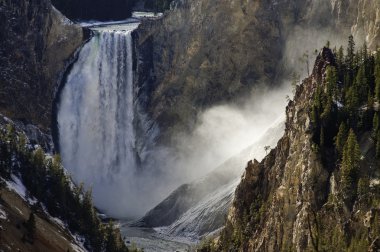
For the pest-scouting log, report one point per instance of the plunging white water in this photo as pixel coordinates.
(96, 115)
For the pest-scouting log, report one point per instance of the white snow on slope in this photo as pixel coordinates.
(207, 216)
(3, 214)
(191, 223)
(17, 186)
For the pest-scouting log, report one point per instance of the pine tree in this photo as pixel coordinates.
(22, 144)
(322, 137)
(341, 138)
(363, 188)
(11, 136)
(352, 99)
(5, 154)
(376, 123)
(38, 158)
(111, 244)
(328, 44)
(361, 83)
(340, 58)
(350, 53)
(365, 53)
(378, 145)
(377, 76)
(331, 79)
(30, 226)
(327, 110)
(350, 167)
(370, 100)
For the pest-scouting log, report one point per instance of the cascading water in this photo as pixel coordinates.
(128, 173)
(95, 118)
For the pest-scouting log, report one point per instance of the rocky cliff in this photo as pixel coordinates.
(36, 43)
(292, 200)
(204, 52)
(197, 209)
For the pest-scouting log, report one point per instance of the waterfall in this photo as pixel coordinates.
(107, 141)
(96, 115)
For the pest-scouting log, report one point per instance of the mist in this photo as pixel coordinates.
(97, 140)
(222, 131)
(308, 41)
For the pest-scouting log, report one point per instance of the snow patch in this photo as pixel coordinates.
(143, 14)
(57, 221)
(188, 227)
(77, 243)
(18, 209)
(79, 246)
(3, 214)
(374, 182)
(17, 186)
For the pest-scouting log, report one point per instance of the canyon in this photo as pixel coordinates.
(136, 136)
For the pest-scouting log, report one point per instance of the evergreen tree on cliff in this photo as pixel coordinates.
(341, 138)
(350, 167)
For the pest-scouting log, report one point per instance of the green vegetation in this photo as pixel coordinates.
(344, 109)
(350, 167)
(347, 98)
(341, 138)
(46, 180)
(30, 227)
(345, 105)
(251, 216)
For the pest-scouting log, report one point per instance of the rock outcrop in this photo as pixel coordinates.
(290, 178)
(202, 53)
(36, 44)
(290, 200)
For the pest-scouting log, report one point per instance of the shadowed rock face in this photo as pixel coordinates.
(36, 42)
(203, 52)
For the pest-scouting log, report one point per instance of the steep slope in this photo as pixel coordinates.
(199, 208)
(202, 53)
(36, 42)
(40, 207)
(49, 235)
(295, 200)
